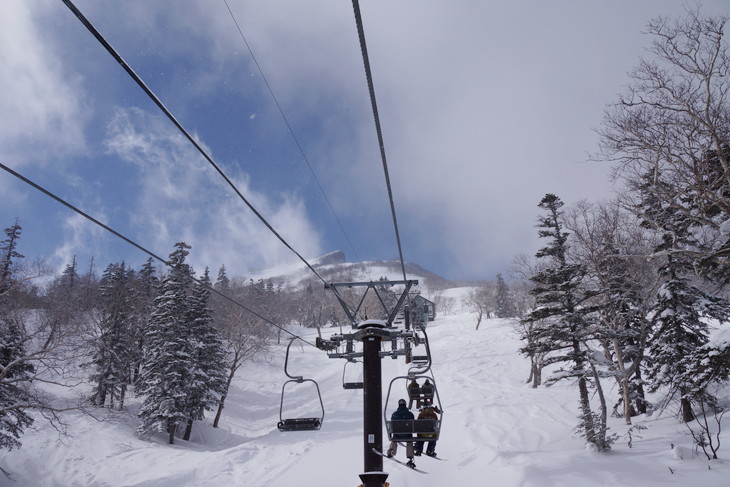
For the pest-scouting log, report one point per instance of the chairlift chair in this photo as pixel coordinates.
(351, 384)
(304, 423)
(419, 429)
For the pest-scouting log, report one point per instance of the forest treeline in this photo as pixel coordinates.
(173, 338)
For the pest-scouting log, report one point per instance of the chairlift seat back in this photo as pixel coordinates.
(413, 429)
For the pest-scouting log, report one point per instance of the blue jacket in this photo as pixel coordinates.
(402, 413)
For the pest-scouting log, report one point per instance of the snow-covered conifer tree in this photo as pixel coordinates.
(146, 287)
(504, 299)
(115, 345)
(563, 317)
(222, 284)
(678, 328)
(165, 375)
(207, 365)
(15, 370)
(679, 335)
(15, 376)
(8, 254)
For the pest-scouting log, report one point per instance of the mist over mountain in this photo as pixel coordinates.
(334, 267)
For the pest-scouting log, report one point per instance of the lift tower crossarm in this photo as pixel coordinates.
(352, 314)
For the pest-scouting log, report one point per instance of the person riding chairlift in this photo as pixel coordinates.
(428, 412)
(401, 414)
(414, 394)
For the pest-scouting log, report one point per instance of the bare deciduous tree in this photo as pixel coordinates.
(671, 130)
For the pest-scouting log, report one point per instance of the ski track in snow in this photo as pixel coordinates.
(497, 431)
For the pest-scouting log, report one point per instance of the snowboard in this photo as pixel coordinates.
(398, 461)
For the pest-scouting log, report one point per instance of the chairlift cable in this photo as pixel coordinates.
(180, 127)
(143, 249)
(291, 130)
(371, 89)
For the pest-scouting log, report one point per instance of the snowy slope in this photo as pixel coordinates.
(496, 432)
(334, 268)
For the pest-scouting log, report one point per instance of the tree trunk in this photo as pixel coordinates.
(171, 427)
(122, 393)
(537, 375)
(640, 399)
(687, 414)
(100, 397)
(188, 430)
(231, 373)
(623, 381)
(585, 403)
(586, 414)
(602, 443)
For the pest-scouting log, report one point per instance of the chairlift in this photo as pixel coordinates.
(419, 429)
(351, 384)
(304, 423)
(421, 363)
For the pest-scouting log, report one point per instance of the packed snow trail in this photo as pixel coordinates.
(497, 431)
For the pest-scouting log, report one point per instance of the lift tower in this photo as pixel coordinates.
(372, 333)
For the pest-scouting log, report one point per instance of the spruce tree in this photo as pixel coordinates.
(70, 276)
(504, 300)
(15, 371)
(15, 376)
(562, 319)
(8, 254)
(678, 329)
(207, 356)
(113, 359)
(146, 288)
(222, 284)
(679, 334)
(165, 375)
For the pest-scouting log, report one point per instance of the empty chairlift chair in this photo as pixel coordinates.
(347, 383)
(300, 423)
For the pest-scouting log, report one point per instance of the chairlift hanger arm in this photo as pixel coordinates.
(297, 378)
(419, 371)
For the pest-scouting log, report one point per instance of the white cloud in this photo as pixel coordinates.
(42, 113)
(484, 109)
(183, 199)
(80, 236)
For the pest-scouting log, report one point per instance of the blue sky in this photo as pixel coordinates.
(485, 107)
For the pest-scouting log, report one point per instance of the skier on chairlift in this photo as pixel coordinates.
(400, 414)
(414, 394)
(427, 390)
(429, 411)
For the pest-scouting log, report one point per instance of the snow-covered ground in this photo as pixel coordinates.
(496, 432)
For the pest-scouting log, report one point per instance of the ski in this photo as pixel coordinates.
(398, 461)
